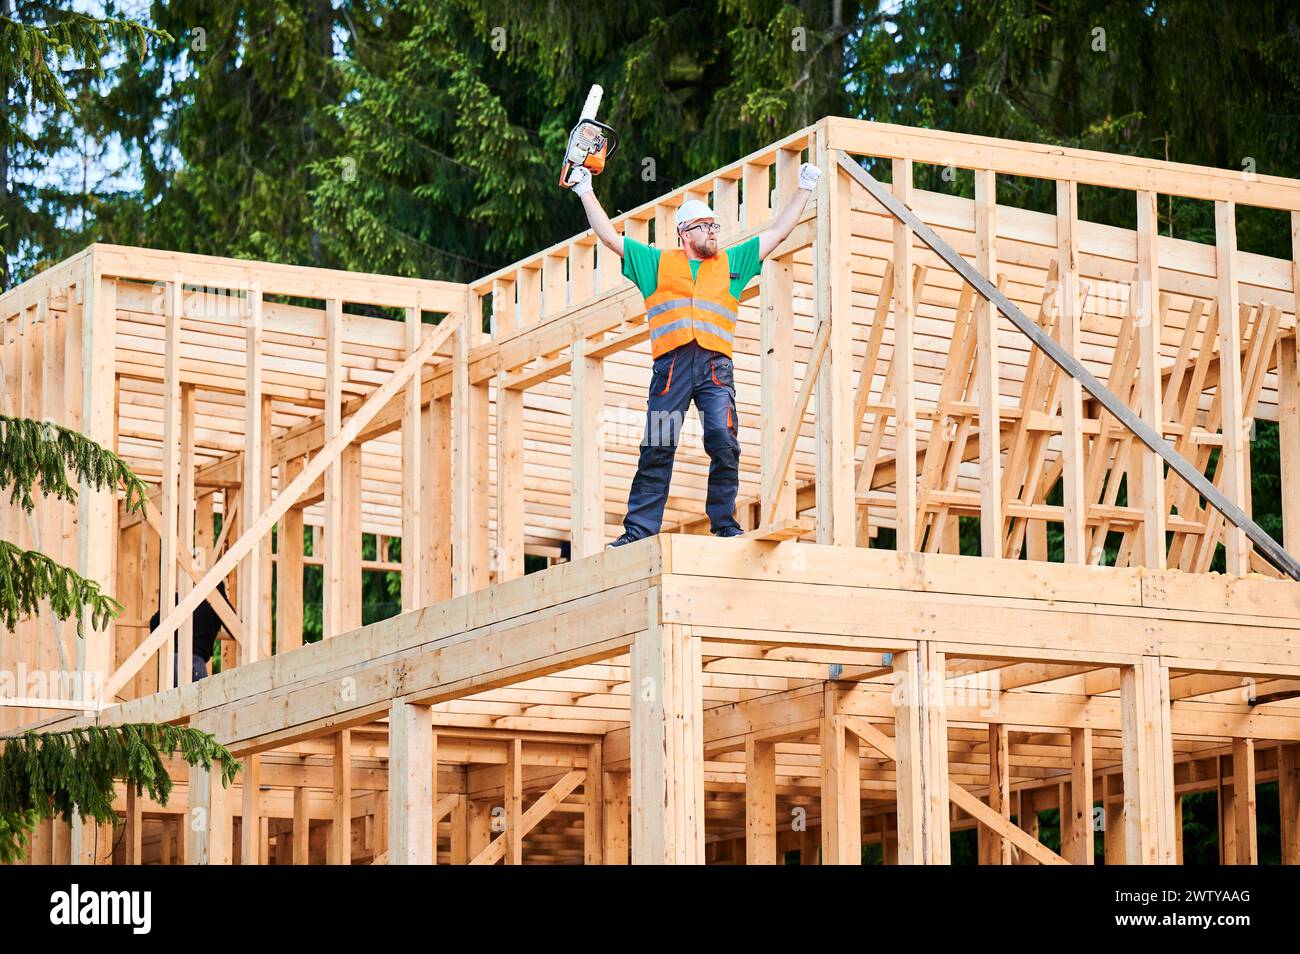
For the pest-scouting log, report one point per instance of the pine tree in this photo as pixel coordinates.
(46, 53)
(72, 772)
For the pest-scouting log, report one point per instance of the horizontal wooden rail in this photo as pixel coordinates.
(1038, 160)
(1268, 547)
(580, 269)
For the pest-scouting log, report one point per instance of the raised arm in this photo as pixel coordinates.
(596, 217)
(784, 223)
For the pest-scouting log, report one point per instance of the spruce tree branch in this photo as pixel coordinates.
(44, 775)
(32, 451)
(28, 577)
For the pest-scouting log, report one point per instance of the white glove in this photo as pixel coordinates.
(580, 180)
(808, 176)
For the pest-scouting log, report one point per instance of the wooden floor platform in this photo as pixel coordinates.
(688, 699)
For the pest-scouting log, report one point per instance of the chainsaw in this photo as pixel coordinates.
(591, 142)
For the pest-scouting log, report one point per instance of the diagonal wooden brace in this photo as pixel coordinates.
(1071, 365)
(286, 499)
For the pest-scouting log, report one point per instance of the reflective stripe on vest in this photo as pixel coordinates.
(683, 309)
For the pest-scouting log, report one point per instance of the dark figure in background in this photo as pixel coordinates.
(207, 626)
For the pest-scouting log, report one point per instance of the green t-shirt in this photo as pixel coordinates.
(641, 264)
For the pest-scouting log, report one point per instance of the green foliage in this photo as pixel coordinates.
(51, 64)
(1201, 828)
(27, 577)
(424, 137)
(43, 452)
(59, 774)
(36, 453)
(1136, 79)
(225, 122)
(31, 53)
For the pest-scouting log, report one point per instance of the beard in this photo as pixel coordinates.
(706, 248)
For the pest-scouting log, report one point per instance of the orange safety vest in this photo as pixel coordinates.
(683, 308)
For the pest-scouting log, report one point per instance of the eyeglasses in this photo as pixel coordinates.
(713, 228)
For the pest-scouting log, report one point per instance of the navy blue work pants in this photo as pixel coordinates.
(685, 374)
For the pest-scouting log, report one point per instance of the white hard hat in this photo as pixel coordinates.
(693, 209)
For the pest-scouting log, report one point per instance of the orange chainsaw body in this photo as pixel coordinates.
(594, 142)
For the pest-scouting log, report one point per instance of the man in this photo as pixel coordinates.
(206, 627)
(692, 296)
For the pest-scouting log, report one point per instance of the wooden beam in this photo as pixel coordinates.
(97, 509)
(1243, 801)
(336, 542)
(218, 602)
(1052, 161)
(250, 816)
(555, 284)
(414, 521)
(988, 373)
(437, 812)
(999, 791)
(513, 835)
(1149, 487)
(586, 448)
(1289, 407)
(836, 503)
(288, 573)
(411, 770)
(1113, 804)
(841, 784)
(497, 850)
(253, 502)
(776, 477)
(436, 450)
(169, 546)
(1232, 455)
(469, 409)
(593, 808)
(1021, 839)
(185, 532)
(348, 581)
(1288, 437)
(617, 793)
(133, 822)
(340, 847)
(460, 831)
(504, 319)
(266, 608)
(666, 745)
(1288, 786)
(1080, 849)
(1069, 324)
(1148, 763)
(210, 828)
(777, 357)
(790, 529)
(760, 802)
(757, 195)
(510, 484)
(301, 827)
(921, 737)
(904, 372)
(726, 206)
